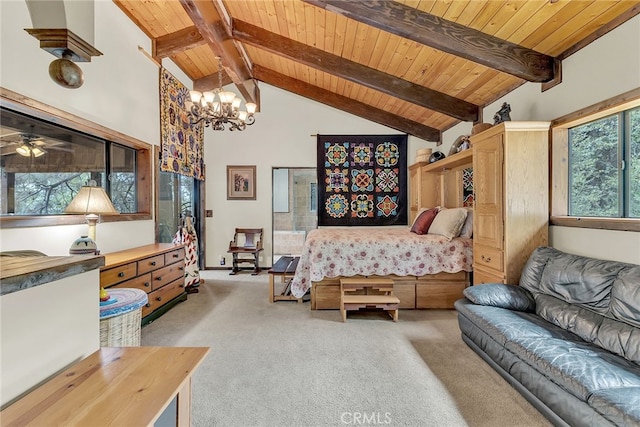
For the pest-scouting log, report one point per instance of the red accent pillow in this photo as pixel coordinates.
(423, 222)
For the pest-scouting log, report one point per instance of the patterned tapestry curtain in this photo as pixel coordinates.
(181, 142)
(362, 180)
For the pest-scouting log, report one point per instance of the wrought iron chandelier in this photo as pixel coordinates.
(220, 111)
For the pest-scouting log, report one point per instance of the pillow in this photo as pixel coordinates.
(500, 295)
(448, 222)
(418, 216)
(423, 221)
(467, 228)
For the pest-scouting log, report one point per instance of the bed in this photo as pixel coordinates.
(429, 271)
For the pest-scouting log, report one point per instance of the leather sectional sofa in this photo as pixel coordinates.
(567, 338)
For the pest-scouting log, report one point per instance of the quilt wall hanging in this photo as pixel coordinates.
(362, 180)
(181, 143)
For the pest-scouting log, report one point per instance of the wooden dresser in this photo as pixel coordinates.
(157, 269)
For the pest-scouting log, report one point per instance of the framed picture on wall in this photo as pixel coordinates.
(241, 182)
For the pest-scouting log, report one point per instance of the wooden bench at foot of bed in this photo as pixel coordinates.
(439, 290)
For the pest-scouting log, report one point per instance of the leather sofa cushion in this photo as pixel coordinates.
(578, 367)
(625, 296)
(500, 295)
(621, 406)
(505, 325)
(617, 337)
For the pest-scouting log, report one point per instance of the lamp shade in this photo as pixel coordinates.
(91, 200)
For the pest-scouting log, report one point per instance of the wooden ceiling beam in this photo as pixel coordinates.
(346, 104)
(211, 26)
(170, 44)
(210, 82)
(447, 36)
(354, 72)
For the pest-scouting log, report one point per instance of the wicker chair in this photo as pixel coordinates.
(252, 246)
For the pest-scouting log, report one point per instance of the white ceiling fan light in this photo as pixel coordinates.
(24, 150)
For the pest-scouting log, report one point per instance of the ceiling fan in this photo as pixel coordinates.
(28, 144)
(31, 146)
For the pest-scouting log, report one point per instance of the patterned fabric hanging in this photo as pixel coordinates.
(181, 142)
(187, 235)
(362, 179)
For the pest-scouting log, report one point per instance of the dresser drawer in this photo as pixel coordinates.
(117, 274)
(163, 295)
(173, 256)
(141, 282)
(149, 264)
(480, 277)
(486, 256)
(165, 275)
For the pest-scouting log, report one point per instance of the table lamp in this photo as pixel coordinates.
(92, 201)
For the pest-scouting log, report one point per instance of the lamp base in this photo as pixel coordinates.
(84, 245)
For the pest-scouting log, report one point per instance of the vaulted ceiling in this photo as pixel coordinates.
(417, 66)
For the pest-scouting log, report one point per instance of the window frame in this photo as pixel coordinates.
(28, 106)
(559, 161)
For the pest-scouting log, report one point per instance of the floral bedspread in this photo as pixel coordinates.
(333, 252)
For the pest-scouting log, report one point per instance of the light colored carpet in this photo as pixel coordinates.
(282, 364)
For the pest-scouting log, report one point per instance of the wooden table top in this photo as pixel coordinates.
(125, 256)
(117, 386)
(18, 273)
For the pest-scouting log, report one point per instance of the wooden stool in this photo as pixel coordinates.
(384, 299)
(285, 267)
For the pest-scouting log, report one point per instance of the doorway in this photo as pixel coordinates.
(295, 209)
(179, 196)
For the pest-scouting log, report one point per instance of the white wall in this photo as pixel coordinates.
(607, 67)
(46, 328)
(120, 92)
(283, 136)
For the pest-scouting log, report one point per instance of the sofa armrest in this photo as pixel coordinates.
(500, 295)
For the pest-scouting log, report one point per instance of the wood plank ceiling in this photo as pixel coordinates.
(417, 66)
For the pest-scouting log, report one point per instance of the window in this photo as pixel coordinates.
(604, 167)
(595, 166)
(43, 166)
(46, 155)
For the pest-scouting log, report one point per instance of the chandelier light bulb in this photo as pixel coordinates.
(251, 108)
(209, 97)
(195, 96)
(204, 108)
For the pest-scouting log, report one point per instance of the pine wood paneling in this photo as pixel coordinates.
(548, 28)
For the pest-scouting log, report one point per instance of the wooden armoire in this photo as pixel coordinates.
(511, 190)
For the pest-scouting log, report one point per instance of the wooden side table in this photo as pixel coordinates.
(119, 386)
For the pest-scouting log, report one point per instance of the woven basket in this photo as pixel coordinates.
(121, 331)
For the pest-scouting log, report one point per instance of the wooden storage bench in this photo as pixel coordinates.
(284, 268)
(378, 294)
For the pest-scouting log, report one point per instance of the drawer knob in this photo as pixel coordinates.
(147, 305)
(153, 263)
(147, 284)
(486, 259)
(159, 299)
(159, 278)
(180, 268)
(121, 274)
(181, 285)
(175, 255)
